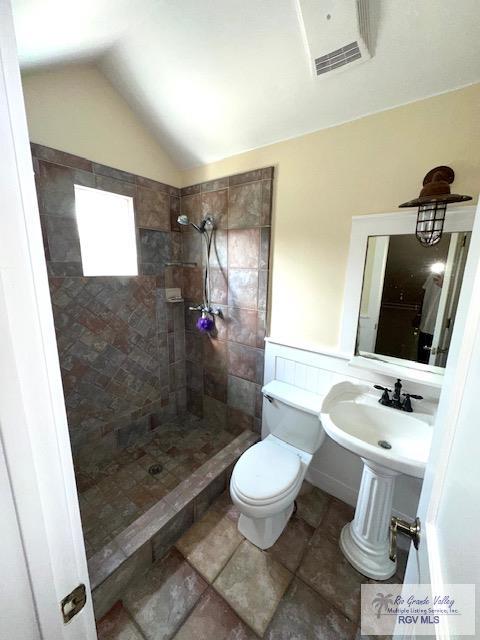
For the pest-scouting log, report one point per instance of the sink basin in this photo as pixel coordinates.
(389, 442)
(352, 416)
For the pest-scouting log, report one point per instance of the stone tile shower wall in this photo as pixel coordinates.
(225, 371)
(128, 361)
(121, 345)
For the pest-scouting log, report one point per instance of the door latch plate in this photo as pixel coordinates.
(73, 603)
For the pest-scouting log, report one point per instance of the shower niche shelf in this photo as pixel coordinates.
(173, 295)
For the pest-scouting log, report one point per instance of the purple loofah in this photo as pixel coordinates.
(205, 324)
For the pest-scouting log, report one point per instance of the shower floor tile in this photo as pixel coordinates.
(113, 494)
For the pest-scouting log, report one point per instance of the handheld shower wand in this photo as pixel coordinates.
(206, 228)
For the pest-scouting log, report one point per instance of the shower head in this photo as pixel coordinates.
(184, 220)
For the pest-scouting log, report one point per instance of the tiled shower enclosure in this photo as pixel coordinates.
(143, 388)
(112, 332)
(224, 374)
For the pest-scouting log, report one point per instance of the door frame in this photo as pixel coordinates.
(425, 565)
(33, 424)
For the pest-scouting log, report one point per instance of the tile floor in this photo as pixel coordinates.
(114, 493)
(215, 585)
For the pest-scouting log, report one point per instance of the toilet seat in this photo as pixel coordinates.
(266, 473)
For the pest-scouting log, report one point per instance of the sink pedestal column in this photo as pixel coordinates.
(364, 541)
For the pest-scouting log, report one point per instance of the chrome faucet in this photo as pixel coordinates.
(396, 401)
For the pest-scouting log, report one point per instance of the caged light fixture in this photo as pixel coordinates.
(432, 204)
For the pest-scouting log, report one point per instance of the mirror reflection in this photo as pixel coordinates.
(410, 296)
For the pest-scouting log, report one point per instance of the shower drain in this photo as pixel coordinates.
(384, 444)
(155, 469)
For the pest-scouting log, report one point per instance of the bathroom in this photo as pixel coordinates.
(252, 342)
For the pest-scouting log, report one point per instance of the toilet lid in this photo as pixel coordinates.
(265, 471)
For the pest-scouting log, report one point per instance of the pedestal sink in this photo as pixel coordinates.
(390, 442)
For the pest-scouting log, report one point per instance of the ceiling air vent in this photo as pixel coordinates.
(338, 58)
(336, 33)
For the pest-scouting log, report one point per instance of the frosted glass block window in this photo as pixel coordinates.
(106, 226)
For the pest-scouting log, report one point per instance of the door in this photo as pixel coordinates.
(448, 303)
(372, 291)
(449, 510)
(448, 276)
(42, 554)
(21, 620)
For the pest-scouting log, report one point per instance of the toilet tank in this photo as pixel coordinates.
(291, 414)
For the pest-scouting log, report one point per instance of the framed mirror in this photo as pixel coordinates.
(410, 297)
(401, 298)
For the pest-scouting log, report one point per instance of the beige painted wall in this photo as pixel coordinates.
(75, 109)
(323, 179)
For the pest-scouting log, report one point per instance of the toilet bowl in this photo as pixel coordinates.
(268, 477)
(264, 484)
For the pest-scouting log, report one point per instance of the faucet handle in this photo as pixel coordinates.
(406, 404)
(377, 386)
(385, 399)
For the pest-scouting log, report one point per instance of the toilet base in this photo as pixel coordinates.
(264, 532)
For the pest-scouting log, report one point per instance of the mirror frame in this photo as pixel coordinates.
(388, 224)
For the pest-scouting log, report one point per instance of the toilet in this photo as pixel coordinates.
(267, 477)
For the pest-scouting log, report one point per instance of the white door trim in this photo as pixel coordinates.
(33, 425)
(427, 565)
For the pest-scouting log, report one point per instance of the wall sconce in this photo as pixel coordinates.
(432, 204)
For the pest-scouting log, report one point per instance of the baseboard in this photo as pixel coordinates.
(333, 486)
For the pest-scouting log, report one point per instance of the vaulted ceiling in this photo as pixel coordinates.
(213, 78)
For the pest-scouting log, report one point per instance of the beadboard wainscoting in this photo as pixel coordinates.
(334, 469)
